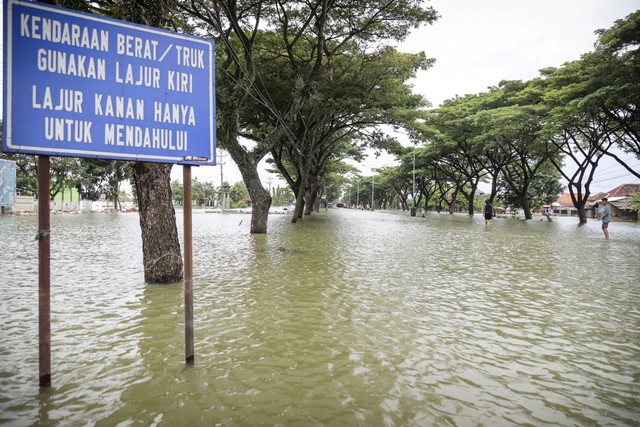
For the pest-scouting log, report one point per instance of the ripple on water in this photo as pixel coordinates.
(346, 318)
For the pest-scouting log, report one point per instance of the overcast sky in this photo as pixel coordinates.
(477, 44)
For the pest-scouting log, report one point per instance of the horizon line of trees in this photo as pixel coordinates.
(311, 84)
(522, 137)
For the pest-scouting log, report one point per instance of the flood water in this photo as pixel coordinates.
(348, 318)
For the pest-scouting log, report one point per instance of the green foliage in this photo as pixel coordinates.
(544, 189)
(623, 36)
(100, 176)
(177, 192)
(239, 195)
(635, 202)
(282, 196)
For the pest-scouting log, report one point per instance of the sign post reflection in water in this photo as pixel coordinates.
(102, 88)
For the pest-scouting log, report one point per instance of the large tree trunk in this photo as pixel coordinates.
(471, 199)
(582, 214)
(300, 201)
(526, 207)
(247, 162)
(313, 202)
(452, 205)
(260, 204)
(260, 197)
(160, 244)
(299, 209)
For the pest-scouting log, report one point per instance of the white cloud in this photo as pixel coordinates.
(478, 43)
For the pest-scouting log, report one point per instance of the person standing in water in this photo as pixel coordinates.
(488, 212)
(605, 216)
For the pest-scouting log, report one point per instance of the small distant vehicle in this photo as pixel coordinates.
(339, 205)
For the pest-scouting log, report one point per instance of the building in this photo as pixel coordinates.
(67, 200)
(619, 198)
(620, 201)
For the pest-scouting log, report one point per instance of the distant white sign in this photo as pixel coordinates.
(85, 86)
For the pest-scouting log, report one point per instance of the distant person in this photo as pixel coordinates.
(488, 212)
(605, 216)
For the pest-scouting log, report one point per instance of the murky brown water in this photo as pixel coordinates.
(348, 318)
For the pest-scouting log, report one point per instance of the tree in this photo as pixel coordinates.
(239, 195)
(160, 245)
(453, 144)
(177, 191)
(593, 106)
(307, 37)
(577, 133)
(635, 202)
(613, 80)
(515, 125)
(64, 172)
(101, 176)
(543, 189)
(361, 92)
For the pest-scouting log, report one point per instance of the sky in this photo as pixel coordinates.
(476, 44)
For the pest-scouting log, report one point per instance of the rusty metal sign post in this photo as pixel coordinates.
(164, 83)
(44, 270)
(188, 266)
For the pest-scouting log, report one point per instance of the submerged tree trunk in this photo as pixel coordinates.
(451, 204)
(260, 203)
(471, 199)
(247, 163)
(160, 244)
(300, 201)
(298, 211)
(526, 206)
(313, 202)
(582, 214)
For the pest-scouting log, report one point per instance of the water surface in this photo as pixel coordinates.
(346, 318)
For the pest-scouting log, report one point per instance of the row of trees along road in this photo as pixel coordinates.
(315, 83)
(310, 83)
(523, 136)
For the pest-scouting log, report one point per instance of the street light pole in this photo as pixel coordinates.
(373, 187)
(413, 191)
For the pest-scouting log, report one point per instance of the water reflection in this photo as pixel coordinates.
(347, 318)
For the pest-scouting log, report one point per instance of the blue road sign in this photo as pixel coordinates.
(82, 85)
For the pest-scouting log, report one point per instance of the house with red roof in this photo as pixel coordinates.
(619, 199)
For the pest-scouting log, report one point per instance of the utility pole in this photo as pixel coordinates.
(413, 191)
(373, 189)
(222, 195)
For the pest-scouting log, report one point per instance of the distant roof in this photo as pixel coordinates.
(622, 203)
(565, 200)
(624, 190)
(620, 192)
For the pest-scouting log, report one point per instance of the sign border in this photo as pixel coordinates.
(65, 152)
